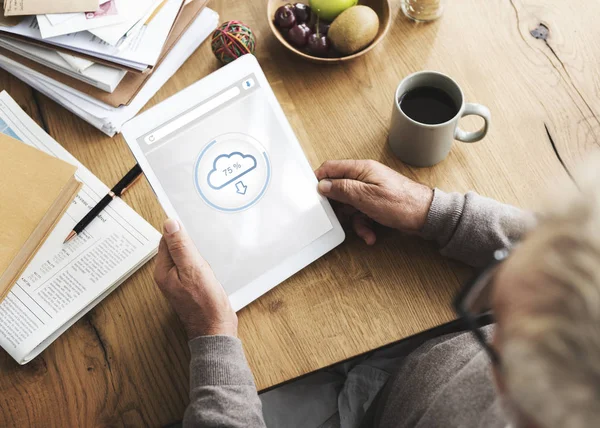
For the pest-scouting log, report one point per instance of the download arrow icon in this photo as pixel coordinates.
(241, 188)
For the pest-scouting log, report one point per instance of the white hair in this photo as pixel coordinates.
(551, 359)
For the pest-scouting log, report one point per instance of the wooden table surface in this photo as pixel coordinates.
(125, 363)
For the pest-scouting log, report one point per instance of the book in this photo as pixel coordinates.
(63, 282)
(35, 191)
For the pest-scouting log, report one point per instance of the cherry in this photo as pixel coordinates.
(302, 13)
(298, 35)
(318, 44)
(284, 16)
(321, 27)
(284, 32)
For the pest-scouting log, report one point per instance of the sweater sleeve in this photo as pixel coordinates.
(470, 227)
(222, 389)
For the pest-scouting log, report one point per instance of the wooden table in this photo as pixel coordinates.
(126, 362)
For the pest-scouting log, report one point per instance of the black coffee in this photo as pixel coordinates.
(428, 105)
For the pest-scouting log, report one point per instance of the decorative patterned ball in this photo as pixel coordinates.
(232, 40)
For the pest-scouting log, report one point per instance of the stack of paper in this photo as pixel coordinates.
(63, 282)
(104, 65)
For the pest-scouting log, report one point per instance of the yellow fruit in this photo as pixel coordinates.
(330, 9)
(354, 29)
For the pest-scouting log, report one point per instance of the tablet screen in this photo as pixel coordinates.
(238, 182)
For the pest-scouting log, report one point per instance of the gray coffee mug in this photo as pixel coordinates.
(420, 144)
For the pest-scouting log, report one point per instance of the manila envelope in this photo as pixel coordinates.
(40, 7)
(8, 21)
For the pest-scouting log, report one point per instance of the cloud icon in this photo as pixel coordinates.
(228, 168)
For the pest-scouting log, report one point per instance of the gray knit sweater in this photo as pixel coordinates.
(446, 382)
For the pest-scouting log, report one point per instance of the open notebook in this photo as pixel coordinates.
(65, 281)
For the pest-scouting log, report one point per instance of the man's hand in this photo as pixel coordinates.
(370, 191)
(190, 286)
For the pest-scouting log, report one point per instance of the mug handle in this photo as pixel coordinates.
(473, 137)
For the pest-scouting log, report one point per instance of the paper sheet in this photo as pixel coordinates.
(59, 18)
(104, 117)
(110, 13)
(65, 281)
(35, 7)
(76, 63)
(140, 10)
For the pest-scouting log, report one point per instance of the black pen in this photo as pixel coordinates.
(125, 183)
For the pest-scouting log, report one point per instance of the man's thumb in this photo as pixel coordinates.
(344, 190)
(181, 247)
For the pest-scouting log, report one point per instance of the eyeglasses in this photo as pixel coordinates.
(473, 302)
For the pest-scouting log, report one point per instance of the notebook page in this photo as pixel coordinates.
(64, 281)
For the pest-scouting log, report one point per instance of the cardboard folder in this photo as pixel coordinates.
(132, 83)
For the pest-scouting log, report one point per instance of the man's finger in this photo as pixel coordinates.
(354, 169)
(346, 191)
(363, 227)
(164, 263)
(181, 248)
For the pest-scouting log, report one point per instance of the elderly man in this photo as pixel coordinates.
(542, 367)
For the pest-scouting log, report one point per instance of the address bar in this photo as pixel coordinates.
(192, 115)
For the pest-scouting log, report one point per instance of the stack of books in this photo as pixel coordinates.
(102, 64)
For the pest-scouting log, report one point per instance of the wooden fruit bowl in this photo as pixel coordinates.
(381, 7)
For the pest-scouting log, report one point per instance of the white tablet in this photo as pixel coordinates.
(224, 161)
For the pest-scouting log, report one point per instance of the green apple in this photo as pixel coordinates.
(330, 9)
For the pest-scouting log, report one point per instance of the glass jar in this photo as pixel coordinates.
(423, 10)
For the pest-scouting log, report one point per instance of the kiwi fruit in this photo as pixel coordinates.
(354, 29)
